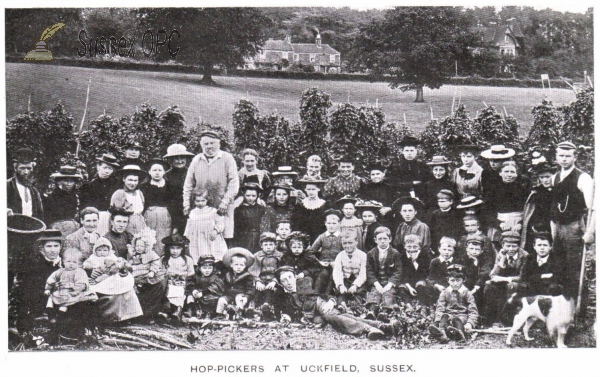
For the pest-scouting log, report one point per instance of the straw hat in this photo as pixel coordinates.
(238, 251)
(66, 172)
(176, 150)
(498, 152)
(439, 160)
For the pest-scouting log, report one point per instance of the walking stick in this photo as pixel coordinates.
(582, 271)
(87, 97)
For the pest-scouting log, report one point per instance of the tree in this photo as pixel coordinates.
(210, 37)
(543, 135)
(417, 46)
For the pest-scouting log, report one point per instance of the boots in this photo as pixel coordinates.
(372, 311)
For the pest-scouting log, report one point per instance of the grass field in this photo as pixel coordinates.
(119, 92)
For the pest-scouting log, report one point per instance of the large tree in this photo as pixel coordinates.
(209, 37)
(416, 46)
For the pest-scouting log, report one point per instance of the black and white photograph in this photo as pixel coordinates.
(310, 177)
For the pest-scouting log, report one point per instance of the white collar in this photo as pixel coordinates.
(543, 259)
(565, 173)
(335, 234)
(216, 156)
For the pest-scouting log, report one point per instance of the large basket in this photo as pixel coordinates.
(23, 231)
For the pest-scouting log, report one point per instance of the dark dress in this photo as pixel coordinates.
(369, 235)
(402, 175)
(250, 221)
(160, 203)
(119, 242)
(309, 221)
(97, 192)
(60, 205)
(176, 178)
(507, 197)
(447, 224)
(428, 191)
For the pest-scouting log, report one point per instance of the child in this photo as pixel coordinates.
(445, 221)
(250, 219)
(326, 248)
(541, 274)
(204, 290)
(378, 189)
(350, 223)
(161, 199)
(239, 283)
(471, 227)
(415, 269)
(266, 261)
(148, 273)
(456, 311)
(306, 266)
(69, 285)
(205, 228)
(282, 231)
(369, 213)
(467, 178)
(349, 271)
(283, 204)
(384, 273)
(536, 214)
(477, 267)
(102, 250)
(504, 276)
(436, 280)
(427, 193)
(409, 173)
(408, 208)
(180, 268)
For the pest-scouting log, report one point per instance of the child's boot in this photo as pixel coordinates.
(438, 333)
(177, 313)
(372, 310)
(456, 334)
(385, 315)
(189, 311)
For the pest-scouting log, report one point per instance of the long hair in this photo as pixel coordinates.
(167, 256)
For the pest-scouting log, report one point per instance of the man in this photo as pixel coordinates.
(62, 205)
(573, 195)
(217, 172)
(85, 237)
(344, 183)
(409, 173)
(307, 307)
(179, 158)
(97, 192)
(22, 197)
(313, 167)
(118, 235)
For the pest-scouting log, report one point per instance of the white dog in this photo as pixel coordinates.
(556, 311)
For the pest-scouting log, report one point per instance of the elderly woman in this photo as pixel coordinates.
(179, 158)
(507, 198)
(131, 197)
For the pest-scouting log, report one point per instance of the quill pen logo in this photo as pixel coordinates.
(41, 53)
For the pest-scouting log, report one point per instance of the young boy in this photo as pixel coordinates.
(326, 248)
(456, 311)
(504, 276)
(445, 221)
(477, 267)
(349, 271)
(266, 261)
(541, 274)
(282, 230)
(205, 289)
(408, 209)
(415, 269)
(369, 214)
(436, 279)
(306, 266)
(410, 173)
(239, 283)
(384, 274)
(472, 227)
(349, 222)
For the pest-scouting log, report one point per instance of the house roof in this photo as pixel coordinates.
(311, 48)
(277, 45)
(494, 34)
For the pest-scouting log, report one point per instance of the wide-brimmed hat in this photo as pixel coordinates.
(133, 170)
(368, 205)
(121, 211)
(238, 251)
(134, 144)
(376, 166)
(539, 164)
(309, 181)
(438, 160)
(108, 159)
(176, 150)
(469, 201)
(346, 199)
(283, 186)
(24, 155)
(66, 172)
(159, 161)
(252, 186)
(498, 152)
(51, 235)
(409, 141)
(284, 170)
(175, 240)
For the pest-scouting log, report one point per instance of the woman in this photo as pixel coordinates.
(61, 207)
(441, 181)
(160, 198)
(308, 216)
(131, 197)
(467, 178)
(250, 161)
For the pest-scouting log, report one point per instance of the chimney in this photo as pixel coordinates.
(288, 38)
(318, 40)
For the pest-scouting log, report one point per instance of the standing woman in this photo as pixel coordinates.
(250, 160)
(309, 215)
(61, 207)
(467, 178)
(160, 198)
(440, 169)
(179, 159)
(131, 197)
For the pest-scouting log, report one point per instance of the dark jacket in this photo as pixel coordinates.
(438, 271)
(411, 275)
(477, 274)
(388, 271)
(14, 199)
(61, 205)
(239, 284)
(305, 263)
(531, 272)
(97, 192)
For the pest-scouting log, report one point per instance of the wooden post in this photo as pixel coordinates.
(87, 98)
(404, 114)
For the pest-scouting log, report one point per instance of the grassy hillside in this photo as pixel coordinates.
(118, 93)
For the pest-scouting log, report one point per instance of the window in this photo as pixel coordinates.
(506, 38)
(332, 58)
(296, 57)
(284, 55)
(312, 57)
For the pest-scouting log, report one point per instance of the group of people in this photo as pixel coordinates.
(189, 235)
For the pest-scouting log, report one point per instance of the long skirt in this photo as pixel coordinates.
(103, 222)
(66, 227)
(121, 307)
(152, 296)
(159, 219)
(136, 223)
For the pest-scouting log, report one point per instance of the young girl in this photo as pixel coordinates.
(148, 272)
(102, 250)
(204, 292)
(69, 285)
(131, 197)
(205, 229)
(467, 178)
(306, 266)
(161, 198)
(369, 211)
(283, 205)
(427, 193)
(180, 268)
(250, 219)
(308, 216)
(350, 223)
